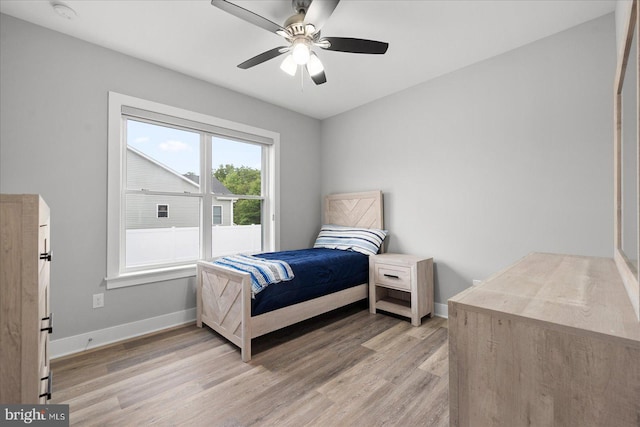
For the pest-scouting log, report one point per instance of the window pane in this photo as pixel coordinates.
(163, 211)
(247, 212)
(229, 239)
(152, 239)
(217, 215)
(237, 167)
(237, 172)
(162, 158)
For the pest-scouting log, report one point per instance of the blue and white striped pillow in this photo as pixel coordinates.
(363, 240)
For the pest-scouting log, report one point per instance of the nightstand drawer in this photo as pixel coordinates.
(393, 276)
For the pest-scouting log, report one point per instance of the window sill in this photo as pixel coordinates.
(150, 276)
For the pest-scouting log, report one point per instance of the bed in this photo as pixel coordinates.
(224, 295)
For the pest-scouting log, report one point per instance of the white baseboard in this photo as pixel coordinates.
(77, 343)
(442, 310)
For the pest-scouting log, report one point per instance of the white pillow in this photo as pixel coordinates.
(363, 240)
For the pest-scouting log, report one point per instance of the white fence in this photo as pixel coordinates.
(176, 244)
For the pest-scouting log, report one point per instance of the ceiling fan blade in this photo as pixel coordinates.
(264, 56)
(319, 11)
(318, 78)
(345, 44)
(248, 16)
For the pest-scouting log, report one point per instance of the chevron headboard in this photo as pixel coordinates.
(355, 209)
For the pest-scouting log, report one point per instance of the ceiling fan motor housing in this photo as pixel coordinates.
(295, 25)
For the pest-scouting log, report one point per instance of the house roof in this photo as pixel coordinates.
(216, 186)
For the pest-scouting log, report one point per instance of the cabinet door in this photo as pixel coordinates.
(44, 312)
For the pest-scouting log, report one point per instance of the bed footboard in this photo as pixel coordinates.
(224, 304)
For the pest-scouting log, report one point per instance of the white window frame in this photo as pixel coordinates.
(117, 275)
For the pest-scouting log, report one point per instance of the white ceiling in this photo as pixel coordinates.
(427, 39)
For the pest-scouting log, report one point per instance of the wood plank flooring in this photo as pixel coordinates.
(345, 368)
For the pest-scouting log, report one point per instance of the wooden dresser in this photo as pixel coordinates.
(551, 341)
(25, 319)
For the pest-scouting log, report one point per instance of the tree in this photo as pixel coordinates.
(242, 180)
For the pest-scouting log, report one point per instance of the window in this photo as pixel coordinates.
(162, 211)
(159, 156)
(217, 215)
(237, 185)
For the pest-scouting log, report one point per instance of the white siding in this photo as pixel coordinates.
(141, 210)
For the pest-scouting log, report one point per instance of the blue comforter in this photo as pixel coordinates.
(317, 271)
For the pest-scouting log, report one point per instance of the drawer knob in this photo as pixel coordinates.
(46, 256)
(391, 276)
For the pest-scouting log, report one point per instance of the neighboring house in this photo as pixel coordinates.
(159, 211)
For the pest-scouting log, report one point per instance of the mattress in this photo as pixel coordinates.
(317, 271)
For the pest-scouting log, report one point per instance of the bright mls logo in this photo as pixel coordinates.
(36, 415)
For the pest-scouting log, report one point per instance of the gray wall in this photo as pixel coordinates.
(479, 167)
(486, 164)
(53, 141)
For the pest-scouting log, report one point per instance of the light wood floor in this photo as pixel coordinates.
(346, 368)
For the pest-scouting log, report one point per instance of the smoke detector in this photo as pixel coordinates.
(64, 10)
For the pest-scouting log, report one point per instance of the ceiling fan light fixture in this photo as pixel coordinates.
(301, 51)
(289, 66)
(314, 66)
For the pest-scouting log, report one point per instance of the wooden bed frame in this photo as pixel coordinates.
(224, 295)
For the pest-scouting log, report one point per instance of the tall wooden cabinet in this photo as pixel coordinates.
(25, 318)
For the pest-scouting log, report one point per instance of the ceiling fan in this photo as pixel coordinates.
(302, 32)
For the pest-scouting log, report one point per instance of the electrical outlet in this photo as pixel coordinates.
(98, 300)
(476, 282)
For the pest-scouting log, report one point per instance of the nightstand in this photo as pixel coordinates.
(401, 284)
